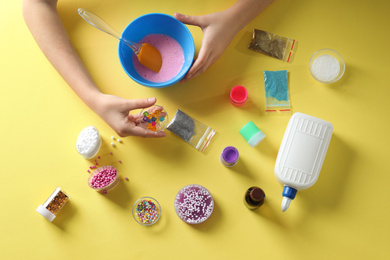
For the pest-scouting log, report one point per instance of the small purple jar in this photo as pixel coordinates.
(229, 156)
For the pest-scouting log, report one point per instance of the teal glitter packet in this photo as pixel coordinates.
(276, 91)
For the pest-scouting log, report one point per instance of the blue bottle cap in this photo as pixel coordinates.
(289, 192)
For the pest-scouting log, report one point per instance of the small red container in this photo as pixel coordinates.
(238, 96)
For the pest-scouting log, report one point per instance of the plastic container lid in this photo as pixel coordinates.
(238, 95)
(252, 134)
(289, 194)
(257, 194)
(229, 156)
(46, 213)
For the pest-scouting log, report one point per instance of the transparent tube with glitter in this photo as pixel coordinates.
(195, 133)
(53, 204)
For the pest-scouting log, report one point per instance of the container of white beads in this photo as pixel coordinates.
(326, 66)
(88, 142)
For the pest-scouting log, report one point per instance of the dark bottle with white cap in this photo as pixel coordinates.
(254, 197)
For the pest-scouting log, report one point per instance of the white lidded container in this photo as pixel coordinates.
(88, 142)
(301, 154)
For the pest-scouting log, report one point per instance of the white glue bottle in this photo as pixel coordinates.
(301, 154)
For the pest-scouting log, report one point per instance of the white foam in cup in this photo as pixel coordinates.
(88, 142)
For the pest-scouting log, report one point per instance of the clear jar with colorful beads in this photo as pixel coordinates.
(104, 179)
(146, 211)
(153, 118)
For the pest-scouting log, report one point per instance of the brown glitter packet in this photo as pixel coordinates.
(273, 45)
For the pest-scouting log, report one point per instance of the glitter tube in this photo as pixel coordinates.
(53, 204)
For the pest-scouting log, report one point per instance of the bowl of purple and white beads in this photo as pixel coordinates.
(103, 179)
(194, 204)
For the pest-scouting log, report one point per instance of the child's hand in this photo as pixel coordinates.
(218, 32)
(115, 111)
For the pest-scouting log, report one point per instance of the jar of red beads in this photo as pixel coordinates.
(104, 179)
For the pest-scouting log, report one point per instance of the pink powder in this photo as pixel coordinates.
(172, 58)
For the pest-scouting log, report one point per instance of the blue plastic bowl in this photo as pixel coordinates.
(156, 23)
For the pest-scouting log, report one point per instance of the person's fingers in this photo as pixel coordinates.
(140, 103)
(200, 61)
(205, 66)
(139, 131)
(188, 19)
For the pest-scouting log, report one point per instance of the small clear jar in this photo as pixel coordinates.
(53, 204)
(154, 118)
(104, 179)
(146, 211)
(329, 68)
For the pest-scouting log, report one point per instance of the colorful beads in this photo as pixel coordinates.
(146, 211)
(153, 119)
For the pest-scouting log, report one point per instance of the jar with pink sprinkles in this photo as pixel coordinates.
(103, 179)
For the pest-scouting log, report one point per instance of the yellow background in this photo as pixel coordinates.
(345, 215)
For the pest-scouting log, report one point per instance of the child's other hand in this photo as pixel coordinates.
(115, 111)
(218, 32)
